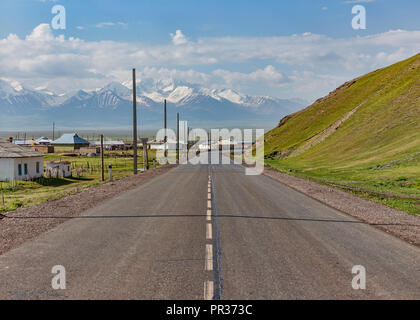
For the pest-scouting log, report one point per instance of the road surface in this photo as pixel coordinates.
(211, 232)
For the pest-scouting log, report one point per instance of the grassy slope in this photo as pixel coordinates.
(377, 149)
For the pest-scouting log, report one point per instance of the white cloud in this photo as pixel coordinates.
(178, 38)
(163, 74)
(41, 33)
(110, 24)
(71, 63)
(358, 1)
(268, 76)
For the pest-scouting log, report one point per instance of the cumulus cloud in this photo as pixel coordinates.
(178, 38)
(41, 33)
(42, 59)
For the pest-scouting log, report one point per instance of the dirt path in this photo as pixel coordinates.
(395, 222)
(26, 223)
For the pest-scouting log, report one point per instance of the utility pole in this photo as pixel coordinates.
(177, 138)
(102, 158)
(145, 154)
(188, 134)
(53, 131)
(165, 140)
(134, 123)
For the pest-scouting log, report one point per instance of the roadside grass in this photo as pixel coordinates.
(25, 193)
(397, 187)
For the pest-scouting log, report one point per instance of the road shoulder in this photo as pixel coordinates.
(398, 223)
(26, 223)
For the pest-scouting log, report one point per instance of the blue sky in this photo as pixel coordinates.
(151, 21)
(300, 48)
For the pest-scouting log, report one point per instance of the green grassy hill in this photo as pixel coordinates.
(363, 137)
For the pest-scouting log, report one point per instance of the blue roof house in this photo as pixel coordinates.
(71, 140)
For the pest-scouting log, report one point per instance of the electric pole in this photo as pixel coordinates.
(188, 134)
(134, 123)
(102, 158)
(165, 140)
(177, 138)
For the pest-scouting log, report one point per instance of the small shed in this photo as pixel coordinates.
(61, 169)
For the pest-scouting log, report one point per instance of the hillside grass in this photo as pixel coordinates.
(375, 153)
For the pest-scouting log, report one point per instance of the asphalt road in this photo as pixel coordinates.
(211, 232)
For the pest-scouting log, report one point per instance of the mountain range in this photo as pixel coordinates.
(111, 106)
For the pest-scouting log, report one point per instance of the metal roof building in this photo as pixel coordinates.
(71, 139)
(109, 143)
(44, 140)
(28, 142)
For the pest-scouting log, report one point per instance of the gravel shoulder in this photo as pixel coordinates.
(398, 223)
(26, 223)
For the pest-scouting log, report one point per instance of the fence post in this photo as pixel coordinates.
(110, 172)
(2, 195)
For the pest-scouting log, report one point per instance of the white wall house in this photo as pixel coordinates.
(19, 163)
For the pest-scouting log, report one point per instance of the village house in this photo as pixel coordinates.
(23, 143)
(170, 145)
(156, 145)
(44, 141)
(111, 145)
(43, 149)
(90, 151)
(71, 140)
(19, 163)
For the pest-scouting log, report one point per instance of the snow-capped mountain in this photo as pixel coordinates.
(111, 105)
